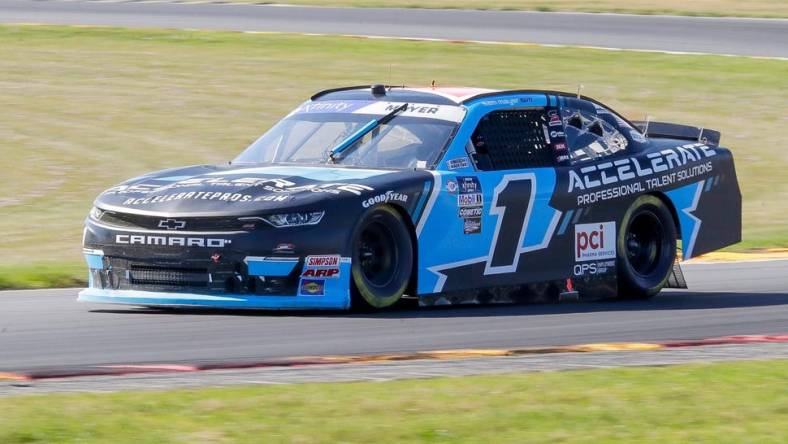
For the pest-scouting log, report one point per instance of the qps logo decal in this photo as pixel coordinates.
(595, 241)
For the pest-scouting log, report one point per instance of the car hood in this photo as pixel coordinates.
(208, 190)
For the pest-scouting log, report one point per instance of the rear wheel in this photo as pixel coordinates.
(646, 248)
(382, 259)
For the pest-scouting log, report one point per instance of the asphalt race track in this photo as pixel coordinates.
(738, 36)
(48, 328)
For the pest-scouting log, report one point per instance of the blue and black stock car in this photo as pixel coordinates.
(365, 196)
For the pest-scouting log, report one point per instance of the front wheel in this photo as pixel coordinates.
(382, 259)
(646, 248)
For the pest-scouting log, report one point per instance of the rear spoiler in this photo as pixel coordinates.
(664, 130)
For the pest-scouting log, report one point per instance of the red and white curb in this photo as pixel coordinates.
(130, 369)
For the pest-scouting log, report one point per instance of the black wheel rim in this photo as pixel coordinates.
(377, 254)
(644, 242)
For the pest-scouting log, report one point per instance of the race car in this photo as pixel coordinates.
(371, 195)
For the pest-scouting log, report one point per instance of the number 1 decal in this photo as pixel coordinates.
(512, 203)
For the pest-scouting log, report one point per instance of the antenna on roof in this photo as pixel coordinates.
(645, 129)
(579, 88)
(389, 76)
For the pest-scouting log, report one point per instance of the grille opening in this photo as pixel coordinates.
(168, 276)
(136, 221)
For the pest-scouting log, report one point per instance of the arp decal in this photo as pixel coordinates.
(595, 241)
(322, 273)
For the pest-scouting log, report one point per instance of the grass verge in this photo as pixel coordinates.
(85, 108)
(710, 8)
(43, 275)
(726, 402)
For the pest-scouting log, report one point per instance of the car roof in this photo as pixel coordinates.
(431, 95)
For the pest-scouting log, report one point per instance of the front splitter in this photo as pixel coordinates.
(226, 301)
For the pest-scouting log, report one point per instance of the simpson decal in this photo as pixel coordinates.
(322, 261)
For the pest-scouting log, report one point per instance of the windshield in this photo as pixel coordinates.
(412, 139)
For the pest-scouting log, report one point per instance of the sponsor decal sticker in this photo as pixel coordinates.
(469, 184)
(623, 177)
(472, 225)
(277, 190)
(451, 186)
(595, 241)
(470, 203)
(321, 267)
(313, 287)
(470, 212)
(595, 176)
(388, 196)
(460, 162)
(557, 134)
(284, 248)
(323, 273)
(469, 200)
(593, 268)
(322, 261)
(554, 118)
(333, 106)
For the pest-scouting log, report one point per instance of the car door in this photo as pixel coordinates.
(503, 200)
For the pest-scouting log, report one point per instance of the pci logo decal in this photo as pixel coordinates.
(595, 241)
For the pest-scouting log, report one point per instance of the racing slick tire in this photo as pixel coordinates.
(646, 247)
(382, 259)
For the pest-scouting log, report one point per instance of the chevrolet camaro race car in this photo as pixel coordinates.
(366, 196)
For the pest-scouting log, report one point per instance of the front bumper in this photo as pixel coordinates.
(215, 269)
(116, 281)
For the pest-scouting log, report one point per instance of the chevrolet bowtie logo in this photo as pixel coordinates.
(172, 224)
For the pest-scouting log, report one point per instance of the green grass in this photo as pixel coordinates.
(43, 275)
(85, 108)
(707, 403)
(734, 8)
